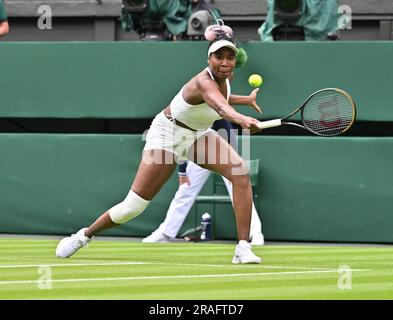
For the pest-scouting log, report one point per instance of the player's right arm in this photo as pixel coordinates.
(211, 94)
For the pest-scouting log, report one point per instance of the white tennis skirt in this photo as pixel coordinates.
(164, 134)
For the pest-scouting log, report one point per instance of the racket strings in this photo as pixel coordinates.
(328, 113)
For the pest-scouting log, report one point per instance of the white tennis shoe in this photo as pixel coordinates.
(68, 246)
(157, 237)
(257, 239)
(244, 254)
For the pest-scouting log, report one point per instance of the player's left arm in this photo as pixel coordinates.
(250, 100)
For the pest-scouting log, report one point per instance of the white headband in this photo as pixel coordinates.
(220, 44)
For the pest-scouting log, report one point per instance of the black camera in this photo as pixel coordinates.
(288, 12)
(132, 17)
(197, 24)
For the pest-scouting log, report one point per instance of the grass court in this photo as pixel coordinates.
(117, 269)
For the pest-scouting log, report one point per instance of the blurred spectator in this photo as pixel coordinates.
(300, 20)
(4, 27)
(163, 19)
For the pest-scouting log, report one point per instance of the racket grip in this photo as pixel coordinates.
(269, 124)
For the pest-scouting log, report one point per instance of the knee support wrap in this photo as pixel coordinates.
(131, 207)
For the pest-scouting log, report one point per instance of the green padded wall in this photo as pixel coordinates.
(138, 79)
(336, 189)
(53, 184)
(312, 189)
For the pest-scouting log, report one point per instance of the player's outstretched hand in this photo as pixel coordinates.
(253, 100)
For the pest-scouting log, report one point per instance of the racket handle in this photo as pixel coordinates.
(269, 124)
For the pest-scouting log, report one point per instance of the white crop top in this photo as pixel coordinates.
(198, 117)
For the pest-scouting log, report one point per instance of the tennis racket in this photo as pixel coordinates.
(327, 112)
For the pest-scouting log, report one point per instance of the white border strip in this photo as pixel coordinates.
(94, 263)
(171, 277)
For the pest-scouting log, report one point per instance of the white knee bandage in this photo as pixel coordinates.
(131, 206)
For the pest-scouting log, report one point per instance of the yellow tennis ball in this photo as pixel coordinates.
(255, 80)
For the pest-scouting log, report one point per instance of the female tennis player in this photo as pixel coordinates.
(182, 131)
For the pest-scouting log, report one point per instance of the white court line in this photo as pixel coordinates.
(93, 263)
(69, 265)
(171, 277)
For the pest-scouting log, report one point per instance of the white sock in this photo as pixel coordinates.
(243, 243)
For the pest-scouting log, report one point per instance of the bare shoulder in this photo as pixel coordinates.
(200, 82)
(197, 86)
(204, 81)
